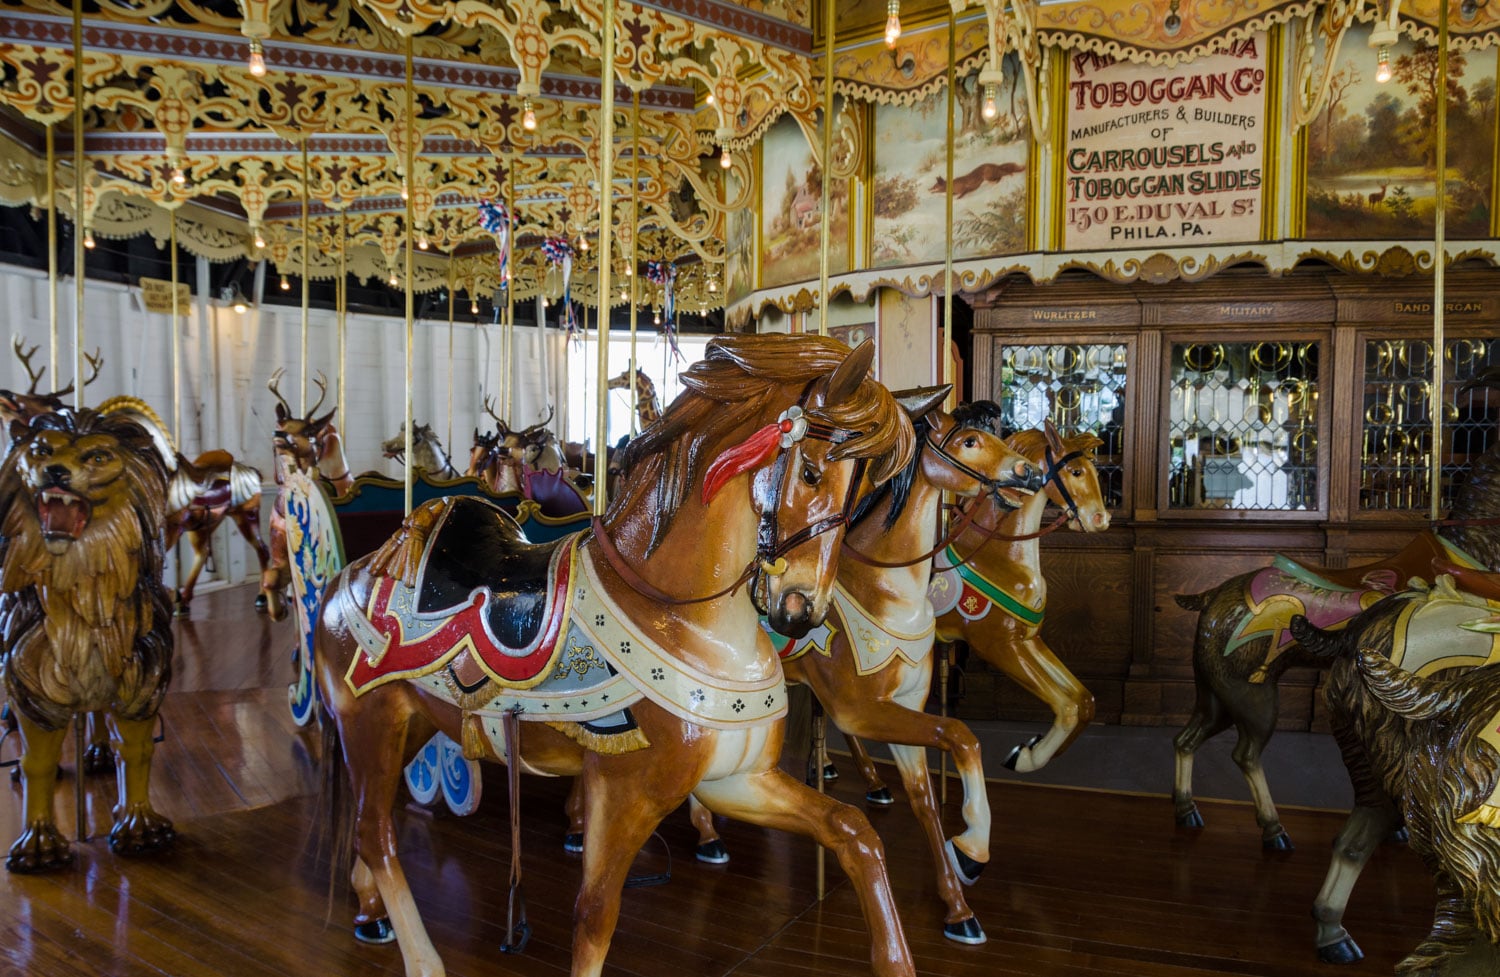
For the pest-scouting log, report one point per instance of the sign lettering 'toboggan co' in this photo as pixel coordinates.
(1165, 156)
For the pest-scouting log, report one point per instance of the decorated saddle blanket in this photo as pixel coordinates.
(959, 586)
(480, 588)
(876, 643)
(1436, 631)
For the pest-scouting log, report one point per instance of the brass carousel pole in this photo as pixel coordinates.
(508, 282)
(306, 178)
(452, 280)
(341, 301)
(52, 252)
(411, 186)
(1439, 272)
(606, 246)
(635, 242)
(943, 664)
(176, 332)
(78, 213)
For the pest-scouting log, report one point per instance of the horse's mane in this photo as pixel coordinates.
(898, 487)
(728, 389)
(1032, 444)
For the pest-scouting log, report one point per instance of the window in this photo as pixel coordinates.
(653, 357)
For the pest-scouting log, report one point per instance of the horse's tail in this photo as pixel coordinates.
(1195, 602)
(333, 814)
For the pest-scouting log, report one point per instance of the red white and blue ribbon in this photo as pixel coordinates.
(495, 218)
(559, 251)
(664, 273)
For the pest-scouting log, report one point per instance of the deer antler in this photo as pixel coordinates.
(96, 361)
(489, 408)
(25, 357)
(540, 425)
(322, 382)
(274, 384)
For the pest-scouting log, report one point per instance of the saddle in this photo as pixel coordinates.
(1480, 583)
(553, 493)
(1387, 575)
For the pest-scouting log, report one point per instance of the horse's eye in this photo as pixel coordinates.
(970, 441)
(810, 475)
(1076, 472)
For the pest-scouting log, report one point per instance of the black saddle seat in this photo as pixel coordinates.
(480, 546)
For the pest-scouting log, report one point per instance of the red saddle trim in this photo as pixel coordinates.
(465, 629)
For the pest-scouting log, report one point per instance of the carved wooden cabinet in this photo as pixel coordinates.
(1241, 416)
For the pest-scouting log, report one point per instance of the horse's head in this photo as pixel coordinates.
(300, 442)
(1073, 481)
(965, 457)
(395, 446)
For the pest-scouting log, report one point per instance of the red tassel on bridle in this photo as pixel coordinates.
(749, 454)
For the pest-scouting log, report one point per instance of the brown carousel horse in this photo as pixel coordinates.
(85, 623)
(1242, 643)
(871, 666)
(994, 597)
(629, 655)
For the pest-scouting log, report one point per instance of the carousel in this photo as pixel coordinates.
(489, 478)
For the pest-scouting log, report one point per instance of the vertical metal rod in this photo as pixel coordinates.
(451, 282)
(79, 210)
(606, 244)
(635, 243)
(52, 253)
(1439, 272)
(507, 382)
(176, 333)
(411, 188)
(943, 333)
(306, 179)
(341, 301)
(80, 828)
(825, 232)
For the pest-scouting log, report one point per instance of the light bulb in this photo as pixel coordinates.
(656, 318)
(88, 239)
(394, 281)
(583, 244)
(892, 23)
(713, 284)
(179, 175)
(545, 303)
(240, 306)
(624, 295)
(286, 286)
(990, 109)
(1383, 65)
(629, 270)
(260, 239)
(709, 100)
(474, 307)
(724, 159)
(257, 59)
(528, 116)
(422, 243)
(404, 192)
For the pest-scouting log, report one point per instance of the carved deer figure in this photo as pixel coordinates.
(24, 406)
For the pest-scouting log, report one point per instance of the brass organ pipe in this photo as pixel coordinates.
(411, 188)
(78, 205)
(1439, 271)
(606, 245)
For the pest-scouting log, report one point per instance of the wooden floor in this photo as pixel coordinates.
(1082, 883)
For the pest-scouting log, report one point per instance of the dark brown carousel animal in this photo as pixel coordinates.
(426, 449)
(761, 456)
(870, 665)
(201, 494)
(307, 444)
(24, 406)
(647, 407)
(1417, 723)
(1242, 644)
(84, 618)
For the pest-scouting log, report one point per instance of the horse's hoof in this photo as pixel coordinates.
(141, 830)
(376, 931)
(573, 842)
(1015, 754)
(965, 931)
(98, 759)
(830, 773)
(182, 611)
(40, 849)
(1190, 818)
(1400, 836)
(880, 797)
(1344, 951)
(967, 869)
(260, 602)
(713, 853)
(1280, 841)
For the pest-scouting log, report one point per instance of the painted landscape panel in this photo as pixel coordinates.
(989, 175)
(1371, 164)
(791, 210)
(739, 258)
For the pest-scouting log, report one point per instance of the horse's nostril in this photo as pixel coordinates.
(794, 605)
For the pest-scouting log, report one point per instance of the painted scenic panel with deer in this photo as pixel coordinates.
(989, 174)
(1371, 164)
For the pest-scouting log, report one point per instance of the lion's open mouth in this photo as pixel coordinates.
(63, 514)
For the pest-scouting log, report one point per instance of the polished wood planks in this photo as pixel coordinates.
(1081, 883)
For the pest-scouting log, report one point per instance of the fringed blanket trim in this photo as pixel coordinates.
(605, 742)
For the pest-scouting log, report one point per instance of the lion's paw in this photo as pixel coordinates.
(140, 829)
(41, 848)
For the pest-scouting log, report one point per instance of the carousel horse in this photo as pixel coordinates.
(426, 450)
(1242, 644)
(24, 406)
(870, 665)
(629, 654)
(86, 619)
(201, 494)
(647, 407)
(1417, 750)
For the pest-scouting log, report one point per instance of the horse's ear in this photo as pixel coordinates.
(850, 374)
(476, 435)
(1054, 440)
(920, 401)
(321, 424)
(282, 414)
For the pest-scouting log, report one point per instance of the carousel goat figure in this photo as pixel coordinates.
(201, 494)
(24, 406)
(426, 449)
(647, 407)
(1242, 644)
(1414, 701)
(630, 654)
(85, 622)
(870, 665)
